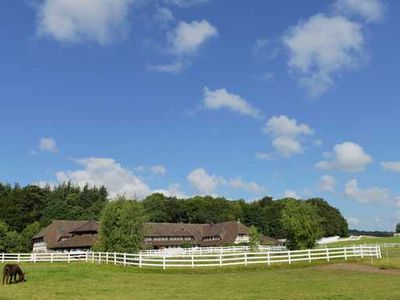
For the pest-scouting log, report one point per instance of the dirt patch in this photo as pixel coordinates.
(359, 268)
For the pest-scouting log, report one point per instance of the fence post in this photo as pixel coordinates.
(86, 256)
(220, 259)
(361, 250)
(164, 261)
(124, 259)
(106, 257)
(140, 259)
(34, 257)
(68, 257)
(2, 257)
(99, 257)
(115, 258)
(192, 260)
(327, 254)
(245, 258)
(345, 253)
(51, 257)
(268, 259)
(18, 257)
(290, 261)
(309, 255)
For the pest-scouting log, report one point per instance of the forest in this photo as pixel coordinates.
(25, 210)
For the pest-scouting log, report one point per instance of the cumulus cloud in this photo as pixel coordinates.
(174, 190)
(251, 187)
(155, 169)
(48, 145)
(291, 194)
(370, 10)
(100, 21)
(320, 48)
(370, 195)
(221, 98)
(184, 41)
(187, 38)
(391, 166)
(327, 183)
(348, 157)
(286, 134)
(203, 182)
(107, 172)
(207, 184)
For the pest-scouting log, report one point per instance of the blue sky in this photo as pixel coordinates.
(233, 98)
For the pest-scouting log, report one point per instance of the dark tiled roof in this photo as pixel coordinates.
(89, 226)
(77, 241)
(56, 230)
(76, 233)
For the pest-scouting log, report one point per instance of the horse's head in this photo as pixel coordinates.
(22, 277)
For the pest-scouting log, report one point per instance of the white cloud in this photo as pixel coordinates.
(187, 38)
(186, 3)
(155, 169)
(251, 187)
(174, 190)
(207, 184)
(48, 145)
(391, 166)
(291, 194)
(286, 134)
(158, 169)
(370, 10)
(107, 172)
(184, 41)
(327, 183)
(370, 195)
(321, 47)
(348, 157)
(221, 98)
(203, 182)
(100, 21)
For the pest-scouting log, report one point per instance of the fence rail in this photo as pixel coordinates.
(210, 250)
(198, 260)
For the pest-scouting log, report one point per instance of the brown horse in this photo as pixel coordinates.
(10, 272)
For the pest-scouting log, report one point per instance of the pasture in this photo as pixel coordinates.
(353, 280)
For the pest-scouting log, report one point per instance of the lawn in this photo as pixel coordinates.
(299, 281)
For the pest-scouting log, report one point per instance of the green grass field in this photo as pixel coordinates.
(299, 281)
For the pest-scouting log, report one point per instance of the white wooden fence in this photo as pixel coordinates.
(173, 252)
(199, 260)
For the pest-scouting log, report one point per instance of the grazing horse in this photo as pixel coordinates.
(10, 272)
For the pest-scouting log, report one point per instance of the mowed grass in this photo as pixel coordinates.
(299, 281)
(362, 241)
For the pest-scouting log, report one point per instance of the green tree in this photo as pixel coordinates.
(3, 236)
(398, 228)
(27, 234)
(332, 221)
(254, 238)
(122, 226)
(302, 224)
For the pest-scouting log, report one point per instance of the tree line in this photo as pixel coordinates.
(24, 210)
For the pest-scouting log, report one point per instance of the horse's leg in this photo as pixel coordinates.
(4, 278)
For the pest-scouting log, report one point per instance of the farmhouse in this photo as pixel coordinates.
(62, 235)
